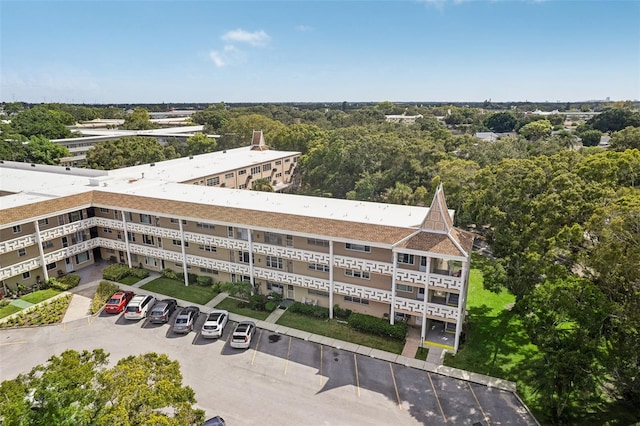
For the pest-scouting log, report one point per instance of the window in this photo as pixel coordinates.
(355, 273)
(278, 162)
(17, 229)
(405, 258)
(356, 300)
(26, 275)
(103, 210)
(82, 257)
(318, 292)
(109, 250)
(75, 216)
(274, 262)
(255, 170)
(287, 160)
(405, 288)
(107, 230)
(209, 271)
(206, 247)
(317, 242)
(242, 234)
(358, 247)
(271, 238)
(179, 265)
(242, 186)
(131, 237)
(147, 239)
(51, 266)
(22, 252)
(229, 175)
(213, 181)
(266, 167)
(230, 231)
(318, 267)
(43, 222)
(128, 216)
(295, 159)
(243, 256)
(184, 222)
(179, 243)
(278, 175)
(47, 244)
(205, 225)
(145, 218)
(242, 172)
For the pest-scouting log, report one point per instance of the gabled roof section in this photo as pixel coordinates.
(257, 141)
(438, 218)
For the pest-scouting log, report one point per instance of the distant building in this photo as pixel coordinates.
(487, 136)
(402, 118)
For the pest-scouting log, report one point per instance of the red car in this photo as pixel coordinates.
(118, 302)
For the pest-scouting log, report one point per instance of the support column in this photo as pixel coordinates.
(423, 333)
(184, 255)
(126, 237)
(392, 313)
(462, 302)
(331, 279)
(45, 273)
(251, 279)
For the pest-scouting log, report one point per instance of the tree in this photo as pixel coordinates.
(615, 119)
(42, 151)
(40, 121)
(213, 118)
(591, 137)
(200, 143)
(238, 130)
(536, 130)
(627, 138)
(76, 388)
(125, 152)
(261, 185)
(297, 137)
(400, 194)
(139, 119)
(501, 122)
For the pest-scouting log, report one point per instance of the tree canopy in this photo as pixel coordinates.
(77, 388)
(41, 121)
(125, 152)
(615, 119)
(139, 119)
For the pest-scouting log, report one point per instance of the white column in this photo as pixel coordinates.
(331, 279)
(251, 280)
(126, 237)
(184, 254)
(423, 333)
(462, 302)
(45, 273)
(392, 313)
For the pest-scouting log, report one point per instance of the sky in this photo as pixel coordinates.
(319, 51)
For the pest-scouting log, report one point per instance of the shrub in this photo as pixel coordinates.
(204, 281)
(340, 313)
(115, 272)
(64, 283)
(378, 326)
(168, 273)
(139, 273)
(103, 293)
(257, 302)
(271, 306)
(309, 310)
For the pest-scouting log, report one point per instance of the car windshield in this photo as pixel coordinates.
(210, 327)
(113, 301)
(214, 317)
(132, 308)
(181, 320)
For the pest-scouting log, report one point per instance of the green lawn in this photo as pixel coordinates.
(337, 330)
(5, 311)
(232, 305)
(422, 353)
(177, 289)
(40, 295)
(129, 280)
(496, 341)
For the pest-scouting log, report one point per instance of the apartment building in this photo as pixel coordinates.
(398, 262)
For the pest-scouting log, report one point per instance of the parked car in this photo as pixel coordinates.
(241, 337)
(118, 301)
(139, 306)
(162, 310)
(214, 421)
(214, 324)
(185, 319)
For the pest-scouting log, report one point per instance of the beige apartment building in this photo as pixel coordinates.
(398, 262)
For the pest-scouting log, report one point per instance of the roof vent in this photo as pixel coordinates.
(191, 157)
(224, 152)
(33, 165)
(67, 168)
(152, 165)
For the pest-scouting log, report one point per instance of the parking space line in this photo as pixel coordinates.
(255, 351)
(437, 399)
(355, 362)
(395, 386)
(286, 363)
(486, 418)
(19, 342)
(320, 365)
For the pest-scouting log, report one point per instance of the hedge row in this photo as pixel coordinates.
(103, 293)
(203, 280)
(309, 310)
(378, 326)
(65, 282)
(117, 271)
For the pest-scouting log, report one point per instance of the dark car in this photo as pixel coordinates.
(162, 310)
(214, 421)
(185, 319)
(118, 301)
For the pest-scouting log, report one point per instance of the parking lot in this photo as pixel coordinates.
(283, 379)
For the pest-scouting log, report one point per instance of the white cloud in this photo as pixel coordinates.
(257, 38)
(217, 59)
(230, 55)
(303, 28)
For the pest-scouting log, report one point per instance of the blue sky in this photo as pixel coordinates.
(331, 51)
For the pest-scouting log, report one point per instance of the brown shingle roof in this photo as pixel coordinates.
(45, 208)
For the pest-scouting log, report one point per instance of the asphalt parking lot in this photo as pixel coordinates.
(280, 379)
